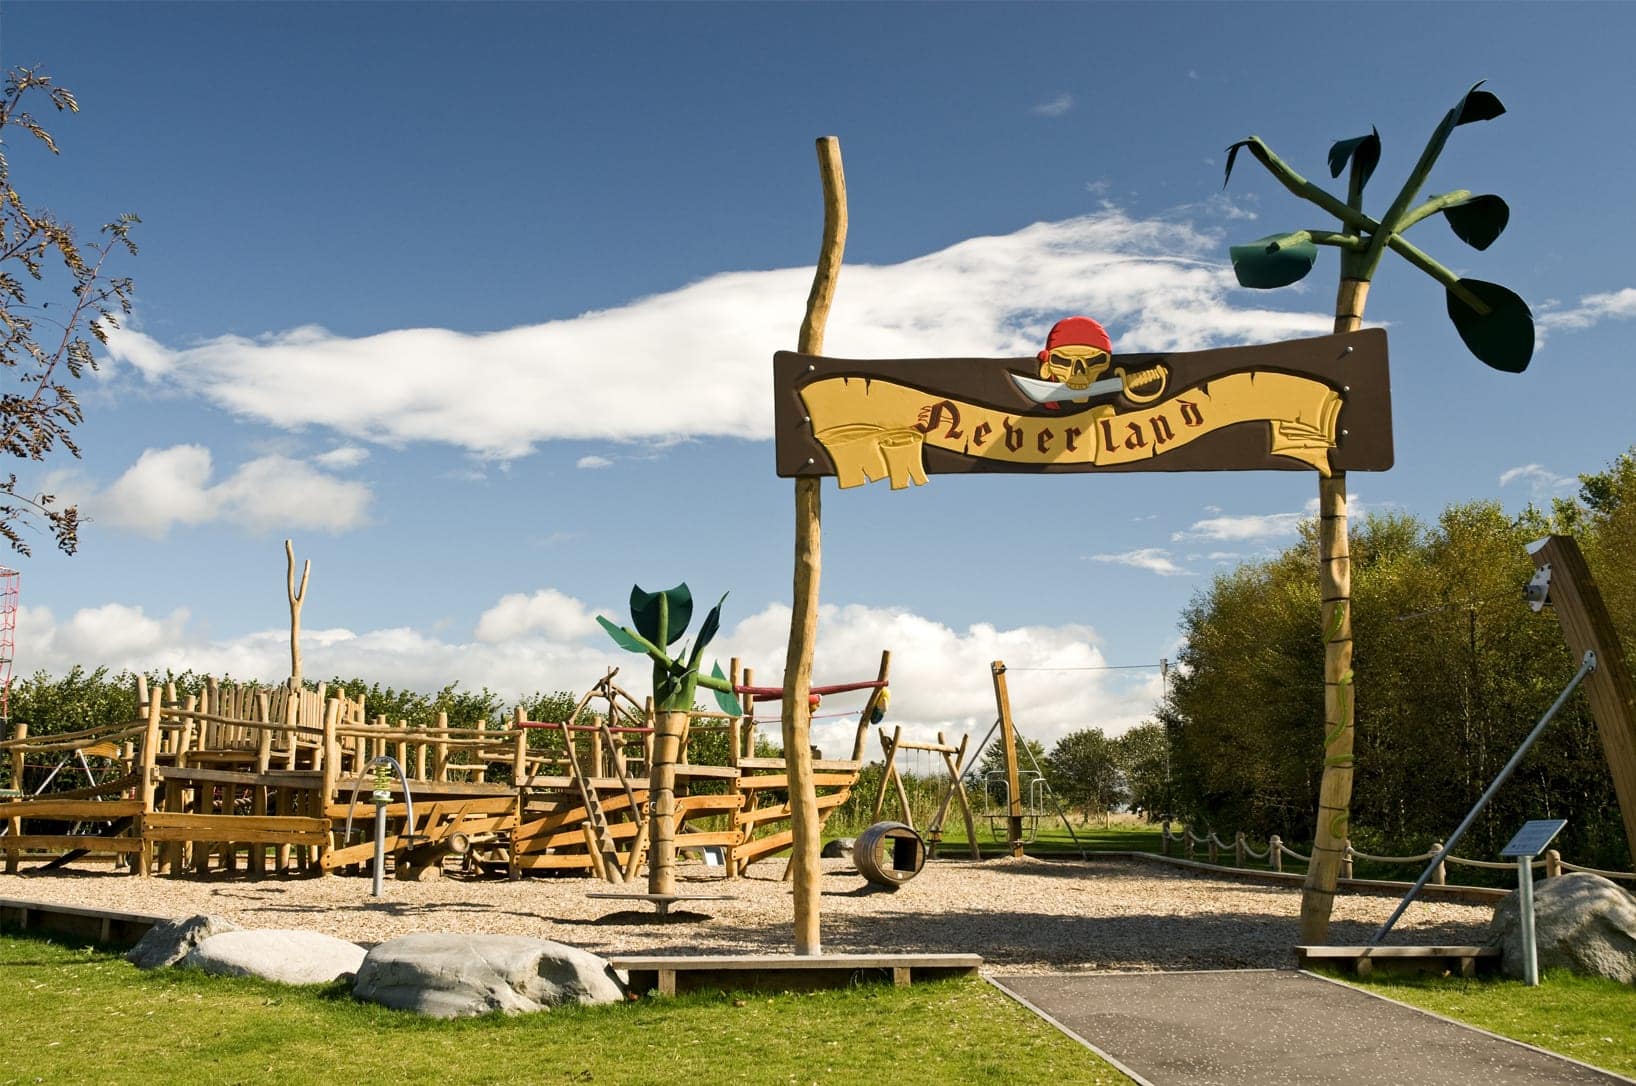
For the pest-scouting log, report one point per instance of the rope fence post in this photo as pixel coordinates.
(1238, 849)
(1346, 858)
(1440, 872)
(1275, 852)
(1553, 863)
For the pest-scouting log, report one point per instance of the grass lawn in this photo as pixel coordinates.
(74, 1014)
(1588, 1018)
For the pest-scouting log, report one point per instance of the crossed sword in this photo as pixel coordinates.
(1127, 383)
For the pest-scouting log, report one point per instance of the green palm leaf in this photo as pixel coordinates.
(1265, 264)
(1502, 338)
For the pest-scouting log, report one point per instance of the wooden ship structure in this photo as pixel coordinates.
(287, 781)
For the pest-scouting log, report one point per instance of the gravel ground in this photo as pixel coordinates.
(1021, 915)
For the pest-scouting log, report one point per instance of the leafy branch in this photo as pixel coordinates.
(38, 414)
(1494, 323)
(660, 619)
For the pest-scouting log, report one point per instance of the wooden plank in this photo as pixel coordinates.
(82, 843)
(779, 780)
(274, 778)
(715, 772)
(709, 838)
(819, 765)
(699, 804)
(82, 809)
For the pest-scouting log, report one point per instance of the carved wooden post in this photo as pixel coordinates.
(1553, 863)
(1275, 852)
(1238, 849)
(297, 598)
(797, 710)
(1346, 858)
(1164, 838)
(1441, 874)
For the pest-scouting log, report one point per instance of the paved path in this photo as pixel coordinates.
(1256, 1026)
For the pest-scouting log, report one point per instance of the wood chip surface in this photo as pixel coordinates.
(1021, 915)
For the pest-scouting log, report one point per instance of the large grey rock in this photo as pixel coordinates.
(288, 957)
(452, 976)
(1582, 922)
(168, 943)
(839, 847)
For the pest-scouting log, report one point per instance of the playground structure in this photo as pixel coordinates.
(954, 761)
(261, 781)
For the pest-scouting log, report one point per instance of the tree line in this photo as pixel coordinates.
(1454, 670)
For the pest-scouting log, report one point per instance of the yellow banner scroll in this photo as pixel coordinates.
(875, 429)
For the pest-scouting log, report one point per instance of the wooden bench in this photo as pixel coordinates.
(662, 902)
(669, 974)
(1465, 961)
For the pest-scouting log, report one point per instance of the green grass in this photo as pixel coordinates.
(74, 1014)
(1588, 1018)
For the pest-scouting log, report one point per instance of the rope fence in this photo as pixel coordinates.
(1187, 844)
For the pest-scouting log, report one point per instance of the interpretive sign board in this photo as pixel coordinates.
(1533, 837)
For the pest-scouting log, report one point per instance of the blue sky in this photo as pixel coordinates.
(477, 303)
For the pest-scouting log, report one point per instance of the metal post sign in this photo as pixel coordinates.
(1320, 404)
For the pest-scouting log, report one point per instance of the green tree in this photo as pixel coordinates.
(1084, 770)
(1144, 761)
(38, 408)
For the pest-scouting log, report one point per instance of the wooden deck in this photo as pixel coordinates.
(1464, 961)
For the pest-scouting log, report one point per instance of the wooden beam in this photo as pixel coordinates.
(1588, 627)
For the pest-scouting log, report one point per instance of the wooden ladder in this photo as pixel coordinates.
(599, 839)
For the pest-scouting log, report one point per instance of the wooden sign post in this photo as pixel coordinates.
(797, 710)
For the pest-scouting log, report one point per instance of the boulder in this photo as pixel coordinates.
(453, 976)
(170, 942)
(1582, 922)
(839, 848)
(288, 957)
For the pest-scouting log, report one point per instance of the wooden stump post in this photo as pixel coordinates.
(667, 742)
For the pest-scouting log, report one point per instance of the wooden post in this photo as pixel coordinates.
(1346, 859)
(1553, 863)
(1335, 611)
(1238, 849)
(1008, 743)
(748, 701)
(797, 710)
(1275, 852)
(858, 741)
(1164, 838)
(297, 598)
(18, 759)
(147, 783)
(735, 730)
(667, 741)
(1587, 627)
(440, 749)
(1441, 874)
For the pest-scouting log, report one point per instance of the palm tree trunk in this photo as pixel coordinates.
(1335, 592)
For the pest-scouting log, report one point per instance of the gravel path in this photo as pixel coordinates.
(1021, 915)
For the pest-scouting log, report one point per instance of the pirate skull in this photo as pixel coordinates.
(1076, 353)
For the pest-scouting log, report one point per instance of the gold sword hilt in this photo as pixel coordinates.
(1144, 386)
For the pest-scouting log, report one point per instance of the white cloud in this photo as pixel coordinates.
(593, 462)
(170, 487)
(1592, 309)
(1152, 559)
(1055, 107)
(1243, 527)
(547, 611)
(1542, 483)
(941, 677)
(345, 456)
(1158, 284)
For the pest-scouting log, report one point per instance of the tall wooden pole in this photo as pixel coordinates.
(797, 712)
(1008, 744)
(297, 598)
(1335, 592)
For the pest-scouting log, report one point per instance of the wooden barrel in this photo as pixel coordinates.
(889, 854)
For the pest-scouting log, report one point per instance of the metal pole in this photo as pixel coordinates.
(1586, 666)
(1525, 899)
(380, 848)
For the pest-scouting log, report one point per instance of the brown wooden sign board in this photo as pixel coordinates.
(1319, 404)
